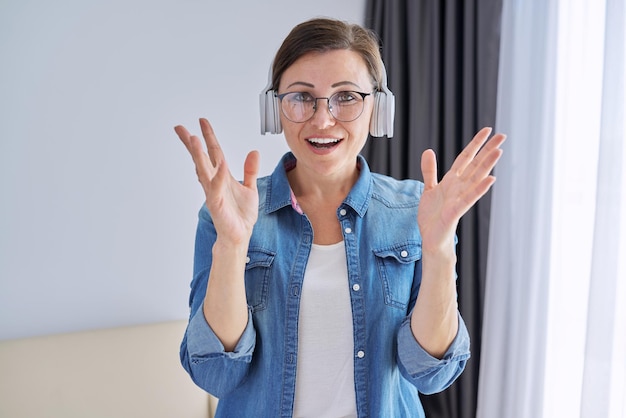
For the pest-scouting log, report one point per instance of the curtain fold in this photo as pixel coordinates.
(442, 65)
(555, 302)
(514, 327)
(604, 373)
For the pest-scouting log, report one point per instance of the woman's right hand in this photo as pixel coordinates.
(233, 205)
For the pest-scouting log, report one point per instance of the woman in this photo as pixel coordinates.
(325, 290)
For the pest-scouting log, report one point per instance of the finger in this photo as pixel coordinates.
(487, 158)
(493, 144)
(474, 194)
(197, 153)
(191, 142)
(213, 147)
(220, 180)
(469, 152)
(251, 169)
(204, 170)
(183, 135)
(429, 168)
(483, 187)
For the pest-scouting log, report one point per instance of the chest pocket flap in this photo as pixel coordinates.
(396, 269)
(259, 257)
(258, 274)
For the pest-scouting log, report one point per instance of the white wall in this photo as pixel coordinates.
(98, 198)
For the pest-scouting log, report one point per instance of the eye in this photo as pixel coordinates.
(301, 97)
(347, 97)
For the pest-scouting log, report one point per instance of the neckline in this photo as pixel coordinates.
(329, 247)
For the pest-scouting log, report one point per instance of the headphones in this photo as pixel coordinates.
(382, 115)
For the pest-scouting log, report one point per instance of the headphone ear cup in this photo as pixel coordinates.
(383, 114)
(263, 112)
(377, 124)
(269, 106)
(390, 112)
(270, 113)
(278, 127)
(384, 110)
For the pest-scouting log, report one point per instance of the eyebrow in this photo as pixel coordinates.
(341, 83)
(301, 83)
(345, 83)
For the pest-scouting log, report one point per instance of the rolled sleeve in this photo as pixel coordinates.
(212, 368)
(427, 373)
(202, 343)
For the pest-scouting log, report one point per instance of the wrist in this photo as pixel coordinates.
(443, 251)
(230, 249)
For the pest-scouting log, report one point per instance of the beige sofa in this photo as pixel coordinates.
(128, 372)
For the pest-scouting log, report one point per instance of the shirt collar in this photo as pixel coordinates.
(279, 191)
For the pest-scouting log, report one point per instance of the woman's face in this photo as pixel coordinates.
(323, 145)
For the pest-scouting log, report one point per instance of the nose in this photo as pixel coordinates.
(322, 118)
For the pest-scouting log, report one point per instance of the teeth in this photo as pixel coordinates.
(323, 140)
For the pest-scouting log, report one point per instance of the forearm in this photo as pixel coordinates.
(225, 307)
(434, 322)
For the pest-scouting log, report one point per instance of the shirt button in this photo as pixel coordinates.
(342, 212)
(247, 260)
(404, 253)
(360, 354)
(356, 287)
(348, 230)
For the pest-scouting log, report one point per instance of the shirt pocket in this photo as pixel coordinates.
(258, 271)
(396, 269)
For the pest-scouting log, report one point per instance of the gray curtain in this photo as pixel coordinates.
(442, 63)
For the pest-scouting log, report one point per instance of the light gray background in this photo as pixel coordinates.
(98, 198)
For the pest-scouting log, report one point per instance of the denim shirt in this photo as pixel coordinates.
(383, 249)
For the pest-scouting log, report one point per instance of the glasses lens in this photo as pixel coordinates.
(298, 106)
(346, 106)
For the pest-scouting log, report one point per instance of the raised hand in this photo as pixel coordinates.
(444, 203)
(233, 205)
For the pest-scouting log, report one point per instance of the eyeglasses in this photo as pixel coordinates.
(344, 106)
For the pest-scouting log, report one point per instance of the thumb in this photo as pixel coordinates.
(251, 169)
(429, 169)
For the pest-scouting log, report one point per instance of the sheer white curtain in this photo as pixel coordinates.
(554, 330)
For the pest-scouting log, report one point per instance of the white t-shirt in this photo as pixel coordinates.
(325, 370)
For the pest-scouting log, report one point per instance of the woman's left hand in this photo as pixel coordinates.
(444, 203)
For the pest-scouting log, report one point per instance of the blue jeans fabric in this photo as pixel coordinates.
(383, 250)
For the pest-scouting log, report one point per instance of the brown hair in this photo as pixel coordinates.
(323, 35)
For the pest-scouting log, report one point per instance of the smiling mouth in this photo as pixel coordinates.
(323, 143)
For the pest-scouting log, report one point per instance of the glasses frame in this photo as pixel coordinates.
(315, 99)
